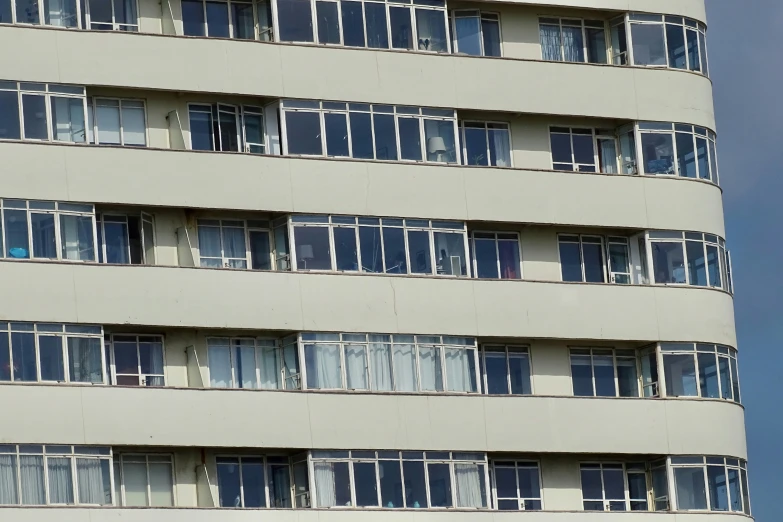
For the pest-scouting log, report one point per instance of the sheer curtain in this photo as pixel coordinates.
(380, 366)
(8, 494)
(270, 369)
(458, 370)
(219, 363)
(356, 367)
(550, 42)
(324, 484)
(245, 357)
(323, 366)
(234, 247)
(60, 480)
(430, 368)
(608, 150)
(156, 377)
(469, 485)
(32, 474)
(573, 44)
(468, 29)
(500, 143)
(92, 476)
(405, 367)
(68, 119)
(77, 238)
(84, 359)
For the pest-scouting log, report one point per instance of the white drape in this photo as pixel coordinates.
(245, 355)
(608, 156)
(380, 366)
(405, 368)
(325, 361)
(573, 44)
(550, 42)
(324, 484)
(430, 369)
(60, 480)
(219, 363)
(84, 359)
(356, 367)
(161, 484)
(134, 478)
(156, 365)
(8, 493)
(270, 369)
(32, 474)
(499, 139)
(468, 485)
(90, 479)
(458, 370)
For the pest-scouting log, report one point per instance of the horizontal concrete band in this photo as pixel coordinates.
(268, 183)
(321, 420)
(283, 70)
(339, 515)
(690, 8)
(222, 298)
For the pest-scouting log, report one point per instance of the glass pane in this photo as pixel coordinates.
(594, 262)
(668, 263)
(627, 378)
(686, 157)
(84, 359)
(470, 490)
(253, 486)
(43, 236)
(697, 269)
(419, 250)
(486, 258)
(381, 366)
(708, 375)
(219, 365)
(76, 235)
(229, 129)
(8, 478)
(440, 485)
(735, 498)
(658, 153)
(192, 17)
(254, 133)
(468, 34)
(519, 370)
(328, 23)
(614, 485)
(716, 481)
(229, 484)
(394, 251)
(430, 369)
(690, 489)
(260, 250)
(648, 44)
(529, 485)
(23, 355)
(94, 481)
(161, 485)
(439, 135)
(116, 241)
(353, 24)
(375, 19)
(591, 484)
(31, 473)
(680, 374)
(491, 34)
(415, 486)
(694, 62)
(336, 129)
(34, 111)
(279, 486)
(303, 129)
(410, 139)
(361, 134)
(370, 244)
(405, 369)
(27, 12)
(217, 19)
(475, 145)
(603, 368)
(725, 377)
(431, 30)
(366, 486)
(5, 358)
(460, 369)
(107, 120)
(345, 249)
(391, 483)
(735, 380)
(582, 375)
(385, 136)
(68, 119)
(60, 477)
(449, 253)
(496, 370)
(551, 47)
(50, 353)
(323, 366)
(332, 484)
(9, 103)
(570, 261)
(573, 44)
(675, 39)
(596, 45)
(312, 248)
(619, 263)
(295, 20)
(242, 19)
(356, 369)
(401, 30)
(713, 266)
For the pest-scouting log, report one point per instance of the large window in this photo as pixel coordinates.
(689, 258)
(604, 372)
(695, 370)
(375, 245)
(394, 479)
(676, 149)
(476, 33)
(254, 481)
(235, 243)
(241, 19)
(55, 475)
(496, 255)
(517, 485)
(253, 363)
(403, 363)
(582, 258)
(45, 352)
(125, 239)
(114, 121)
(614, 487)
(136, 360)
(374, 24)
(505, 370)
(660, 41)
(710, 484)
(363, 131)
(227, 128)
(573, 40)
(47, 230)
(144, 480)
(101, 15)
(42, 112)
(485, 143)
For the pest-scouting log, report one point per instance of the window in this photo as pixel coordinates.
(235, 244)
(678, 150)
(253, 363)
(144, 480)
(42, 112)
(614, 487)
(116, 122)
(710, 484)
(602, 372)
(698, 260)
(476, 33)
(700, 370)
(496, 255)
(363, 131)
(394, 479)
(517, 485)
(505, 370)
(47, 230)
(94, 14)
(403, 363)
(485, 143)
(227, 19)
(55, 475)
(372, 24)
(374, 245)
(254, 481)
(136, 360)
(662, 41)
(44, 352)
(564, 40)
(126, 239)
(573, 149)
(227, 128)
(108, 15)
(582, 258)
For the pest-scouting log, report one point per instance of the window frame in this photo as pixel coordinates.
(581, 243)
(47, 91)
(92, 122)
(239, 110)
(480, 14)
(462, 125)
(521, 500)
(549, 20)
(591, 464)
(556, 129)
(279, 346)
(143, 217)
(696, 132)
(668, 236)
(719, 351)
(248, 226)
(267, 476)
(631, 18)
(617, 353)
(508, 350)
(690, 462)
(109, 340)
(496, 240)
(119, 460)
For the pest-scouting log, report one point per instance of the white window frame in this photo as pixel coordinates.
(612, 275)
(47, 91)
(508, 349)
(720, 245)
(574, 164)
(497, 239)
(719, 351)
(142, 377)
(625, 470)
(144, 217)
(260, 344)
(119, 460)
(696, 132)
(248, 226)
(698, 27)
(583, 25)
(93, 103)
(617, 353)
(517, 464)
(582, 255)
(480, 14)
(239, 112)
(82, 18)
(266, 464)
(741, 467)
(474, 124)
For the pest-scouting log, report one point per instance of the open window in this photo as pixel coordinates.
(136, 360)
(126, 239)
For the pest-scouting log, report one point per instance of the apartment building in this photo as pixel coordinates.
(339, 260)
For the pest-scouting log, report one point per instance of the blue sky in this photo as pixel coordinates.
(746, 50)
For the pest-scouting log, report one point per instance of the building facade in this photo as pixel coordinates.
(331, 260)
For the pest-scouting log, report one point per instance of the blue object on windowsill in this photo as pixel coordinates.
(18, 253)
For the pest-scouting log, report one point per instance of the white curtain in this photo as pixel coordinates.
(84, 359)
(380, 366)
(8, 480)
(161, 484)
(405, 367)
(245, 356)
(60, 480)
(499, 139)
(156, 365)
(234, 246)
(134, 478)
(356, 367)
(324, 484)
(219, 363)
(32, 474)
(469, 485)
(324, 361)
(573, 44)
(270, 369)
(430, 369)
(458, 369)
(608, 156)
(550, 42)
(468, 29)
(91, 480)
